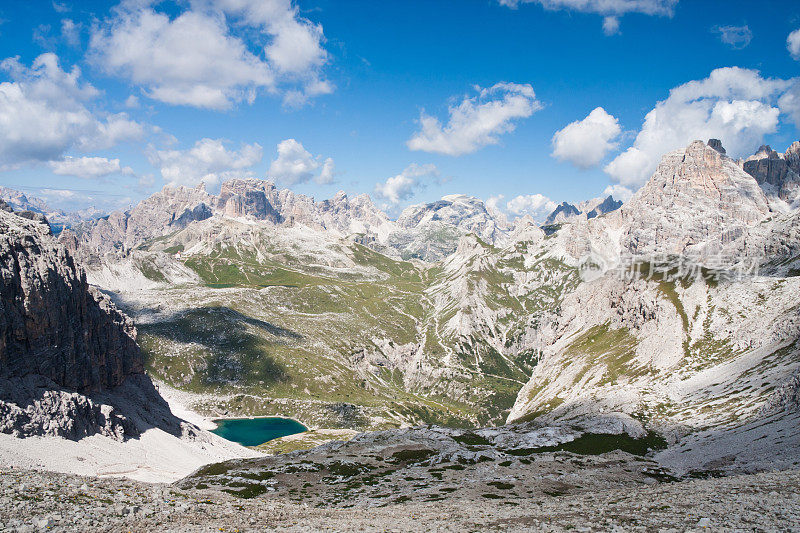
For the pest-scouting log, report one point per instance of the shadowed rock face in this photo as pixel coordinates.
(768, 166)
(606, 206)
(562, 213)
(778, 174)
(52, 324)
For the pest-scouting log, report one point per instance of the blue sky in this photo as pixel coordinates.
(322, 95)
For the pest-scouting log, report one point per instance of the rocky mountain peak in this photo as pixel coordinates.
(695, 194)
(716, 144)
(566, 212)
(778, 174)
(563, 213)
(526, 229)
(459, 210)
(606, 206)
(249, 197)
(51, 322)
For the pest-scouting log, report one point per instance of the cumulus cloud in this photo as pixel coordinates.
(493, 202)
(209, 161)
(477, 121)
(89, 167)
(610, 9)
(44, 112)
(296, 42)
(793, 44)
(585, 143)
(732, 104)
(789, 102)
(295, 164)
(404, 185)
(195, 58)
(326, 176)
(737, 37)
(538, 206)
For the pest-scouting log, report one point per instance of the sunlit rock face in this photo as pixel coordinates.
(695, 194)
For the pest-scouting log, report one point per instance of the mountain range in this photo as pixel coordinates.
(674, 314)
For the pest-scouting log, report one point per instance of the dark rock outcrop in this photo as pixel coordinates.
(60, 340)
(606, 206)
(778, 174)
(716, 144)
(562, 213)
(51, 322)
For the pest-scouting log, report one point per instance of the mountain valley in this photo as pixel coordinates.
(661, 336)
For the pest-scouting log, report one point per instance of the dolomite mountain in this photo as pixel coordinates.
(270, 302)
(426, 231)
(65, 350)
(74, 396)
(566, 212)
(56, 335)
(58, 218)
(707, 358)
(778, 174)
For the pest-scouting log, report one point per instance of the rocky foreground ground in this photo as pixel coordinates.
(37, 501)
(514, 478)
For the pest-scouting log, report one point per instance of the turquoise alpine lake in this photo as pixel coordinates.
(255, 431)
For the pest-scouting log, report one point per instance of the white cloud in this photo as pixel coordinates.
(44, 113)
(789, 102)
(619, 192)
(585, 143)
(737, 37)
(208, 161)
(493, 202)
(71, 32)
(89, 167)
(295, 164)
(404, 185)
(793, 44)
(477, 121)
(732, 104)
(611, 25)
(91, 201)
(538, 206)
(115, 129)
(326, 176)
(610, 9)
(195, 58)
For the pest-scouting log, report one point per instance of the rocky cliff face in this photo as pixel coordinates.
(778, 174)
(174, 208)
(696, 195)
(607, 205)
(60, 339)
(695, 356)
(595, 207)
(51, 322)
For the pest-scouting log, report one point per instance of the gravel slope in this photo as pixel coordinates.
(34, 501)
